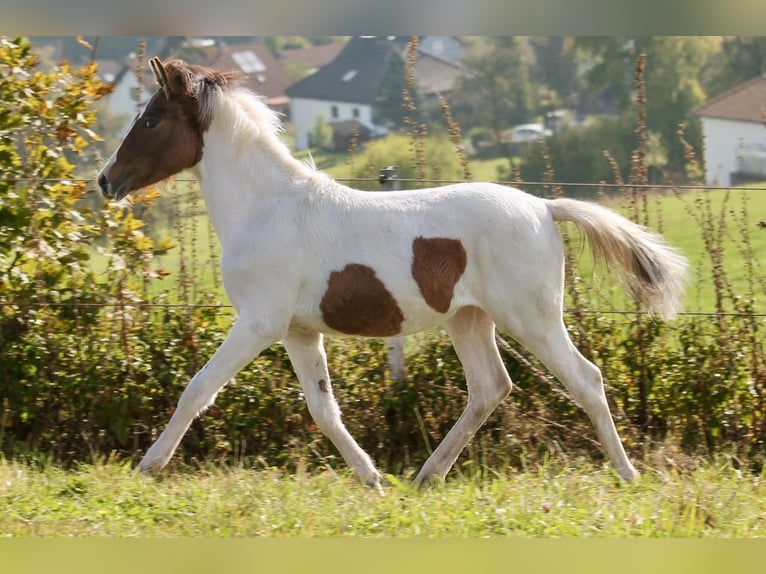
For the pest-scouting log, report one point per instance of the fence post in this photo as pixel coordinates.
(395, 345)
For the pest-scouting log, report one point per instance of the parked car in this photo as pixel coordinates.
(528, 133)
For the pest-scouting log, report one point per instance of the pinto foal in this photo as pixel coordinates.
(303, 255)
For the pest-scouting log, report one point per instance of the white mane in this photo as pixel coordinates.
(246, 118)
(247, 122)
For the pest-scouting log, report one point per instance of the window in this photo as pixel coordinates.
(334, 112)
(248, 62)
(355, 113)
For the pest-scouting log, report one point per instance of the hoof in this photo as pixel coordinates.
(424, 482)
(375, 482)
(150, 464)
(628, 474)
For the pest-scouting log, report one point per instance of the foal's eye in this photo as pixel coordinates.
(150, 122)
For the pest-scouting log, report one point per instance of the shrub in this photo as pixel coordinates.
(577, 154)
(439, 160)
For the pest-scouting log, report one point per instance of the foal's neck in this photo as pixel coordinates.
(242, 167)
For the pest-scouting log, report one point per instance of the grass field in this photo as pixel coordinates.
(682, 220)
(110, 500)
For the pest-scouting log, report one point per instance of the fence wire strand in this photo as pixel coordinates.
(376, 180)
(223, 306)
(509, 183)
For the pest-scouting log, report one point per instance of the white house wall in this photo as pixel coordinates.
(724, 140)
(304, 113)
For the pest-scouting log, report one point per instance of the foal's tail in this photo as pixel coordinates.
(651, 270)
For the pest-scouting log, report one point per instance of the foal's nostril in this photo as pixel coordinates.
(103, 183)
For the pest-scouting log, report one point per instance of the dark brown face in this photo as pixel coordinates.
(164, 140)
(167, 137)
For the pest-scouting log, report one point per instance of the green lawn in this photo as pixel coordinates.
(678, 218)
(110, 500)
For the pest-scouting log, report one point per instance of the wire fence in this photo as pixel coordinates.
(196, 209)
(435, 182)
(224, 306)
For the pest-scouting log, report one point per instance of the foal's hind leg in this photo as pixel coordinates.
(473, 336)
(546, 337)
(309, 361)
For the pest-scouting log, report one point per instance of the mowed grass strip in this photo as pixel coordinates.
(111, 500)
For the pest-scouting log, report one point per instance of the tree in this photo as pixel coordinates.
(674, 69)
(555, 68)
(38, 129)
(577, 155)
(50, 289)
(388, 108)
(46, 233)
(438, 159)
(320, 136)
(497, 95)
(739, 59)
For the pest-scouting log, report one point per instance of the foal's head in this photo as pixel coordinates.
(166, 138)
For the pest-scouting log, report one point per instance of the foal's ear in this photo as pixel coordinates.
(173, 76)
(160, 74)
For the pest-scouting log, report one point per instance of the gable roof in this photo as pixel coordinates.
(353, 76)
(745, 102)
(435, 75)
(265, 74)
(447, 48)
(312, 57)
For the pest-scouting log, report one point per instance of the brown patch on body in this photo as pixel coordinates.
(437, 265)
(357, 303)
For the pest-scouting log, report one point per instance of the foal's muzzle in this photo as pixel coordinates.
(108, 190)
(103, 183)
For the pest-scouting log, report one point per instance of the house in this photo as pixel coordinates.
(347, 89)
(734, 124)
(124, 101)
(446, 48)
(435, 75)
(301, 62)
(344, 89)
(264, 73)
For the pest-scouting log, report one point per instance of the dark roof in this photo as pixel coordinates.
(745, 102)
(312, 57)
(353, 76)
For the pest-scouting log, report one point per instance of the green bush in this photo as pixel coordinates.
(439, 161)
(577, 154)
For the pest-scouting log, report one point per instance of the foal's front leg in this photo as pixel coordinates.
(244, 342)
(309, 361)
